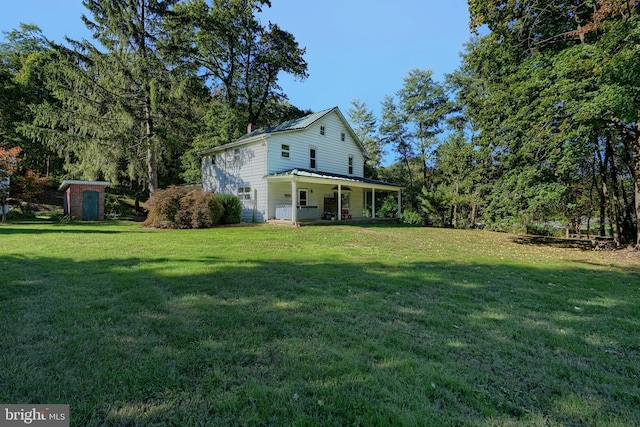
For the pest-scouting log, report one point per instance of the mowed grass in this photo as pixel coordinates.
(333, 326)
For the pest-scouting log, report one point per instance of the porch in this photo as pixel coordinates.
(302, 195)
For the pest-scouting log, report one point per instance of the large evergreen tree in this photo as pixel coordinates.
(120, 107)
(365, 126)
(425, 105)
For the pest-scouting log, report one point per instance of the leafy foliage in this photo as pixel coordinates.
(8, 163)
(181, 207)
(364, 125)
(132, 106)
(411, 217)
(29, 187)
(558, 115)
(238, 56)
(231, 209)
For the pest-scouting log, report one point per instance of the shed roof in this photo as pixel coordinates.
(67, 182)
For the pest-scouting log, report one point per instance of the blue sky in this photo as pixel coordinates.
(355, 48)
(363, 49)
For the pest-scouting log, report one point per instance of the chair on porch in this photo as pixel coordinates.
(346, 214)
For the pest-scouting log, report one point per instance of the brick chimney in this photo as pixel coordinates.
(251, 127)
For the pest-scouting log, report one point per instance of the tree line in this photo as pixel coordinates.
(537, 128)
(159, 80)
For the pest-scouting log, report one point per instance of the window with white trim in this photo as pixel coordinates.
(244, 193)
(303, 197)
(284, 151)
(322, 130)
(342, 136)
(312, 158)
(350, 165)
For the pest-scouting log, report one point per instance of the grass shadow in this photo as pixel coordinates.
(212, 340)
(48, 227)
(585, 245)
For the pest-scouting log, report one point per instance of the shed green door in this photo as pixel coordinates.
(89, 205)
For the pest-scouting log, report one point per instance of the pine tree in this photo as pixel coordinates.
(119, 105)
(364, 125)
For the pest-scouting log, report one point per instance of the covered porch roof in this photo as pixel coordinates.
(317, 177)
(306, 176)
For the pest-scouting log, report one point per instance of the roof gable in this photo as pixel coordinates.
(299, 124)
(295, 124)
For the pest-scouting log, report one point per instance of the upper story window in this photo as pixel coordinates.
(322, 130)
(312, 158)
(284, 151)
(350, 165)
(342, 136)
(236, 154)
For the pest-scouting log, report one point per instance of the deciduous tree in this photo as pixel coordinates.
(8, 163)
(237, 56)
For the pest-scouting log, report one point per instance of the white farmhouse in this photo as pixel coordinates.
(305, 169)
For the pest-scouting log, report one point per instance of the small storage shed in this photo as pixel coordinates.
(84, 200)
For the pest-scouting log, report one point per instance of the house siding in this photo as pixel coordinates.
(246, 163)
(332, 154)
(280, 193)
(235, 168)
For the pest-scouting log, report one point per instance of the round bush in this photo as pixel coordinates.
(232, 209)
(180, 207)
(411, 217)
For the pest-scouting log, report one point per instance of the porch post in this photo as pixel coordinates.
(399, 204)
(339, 202)
(373, 203)
(294, 201)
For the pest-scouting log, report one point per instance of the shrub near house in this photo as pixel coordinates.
(180, 207)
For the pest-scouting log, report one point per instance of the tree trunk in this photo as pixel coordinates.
(602, 192)
(152, 166)
(636, 164)
(454, 215)
(474, 210)
(635, 155)
(637, 197)
(406, 162)
(152, 170)
(616, 217)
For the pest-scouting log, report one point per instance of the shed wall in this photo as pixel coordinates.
(73, 200)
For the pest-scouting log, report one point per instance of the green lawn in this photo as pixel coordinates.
(320, 325)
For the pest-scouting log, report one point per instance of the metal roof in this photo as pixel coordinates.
(291, 125)
(306, 173)
(295, 124)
